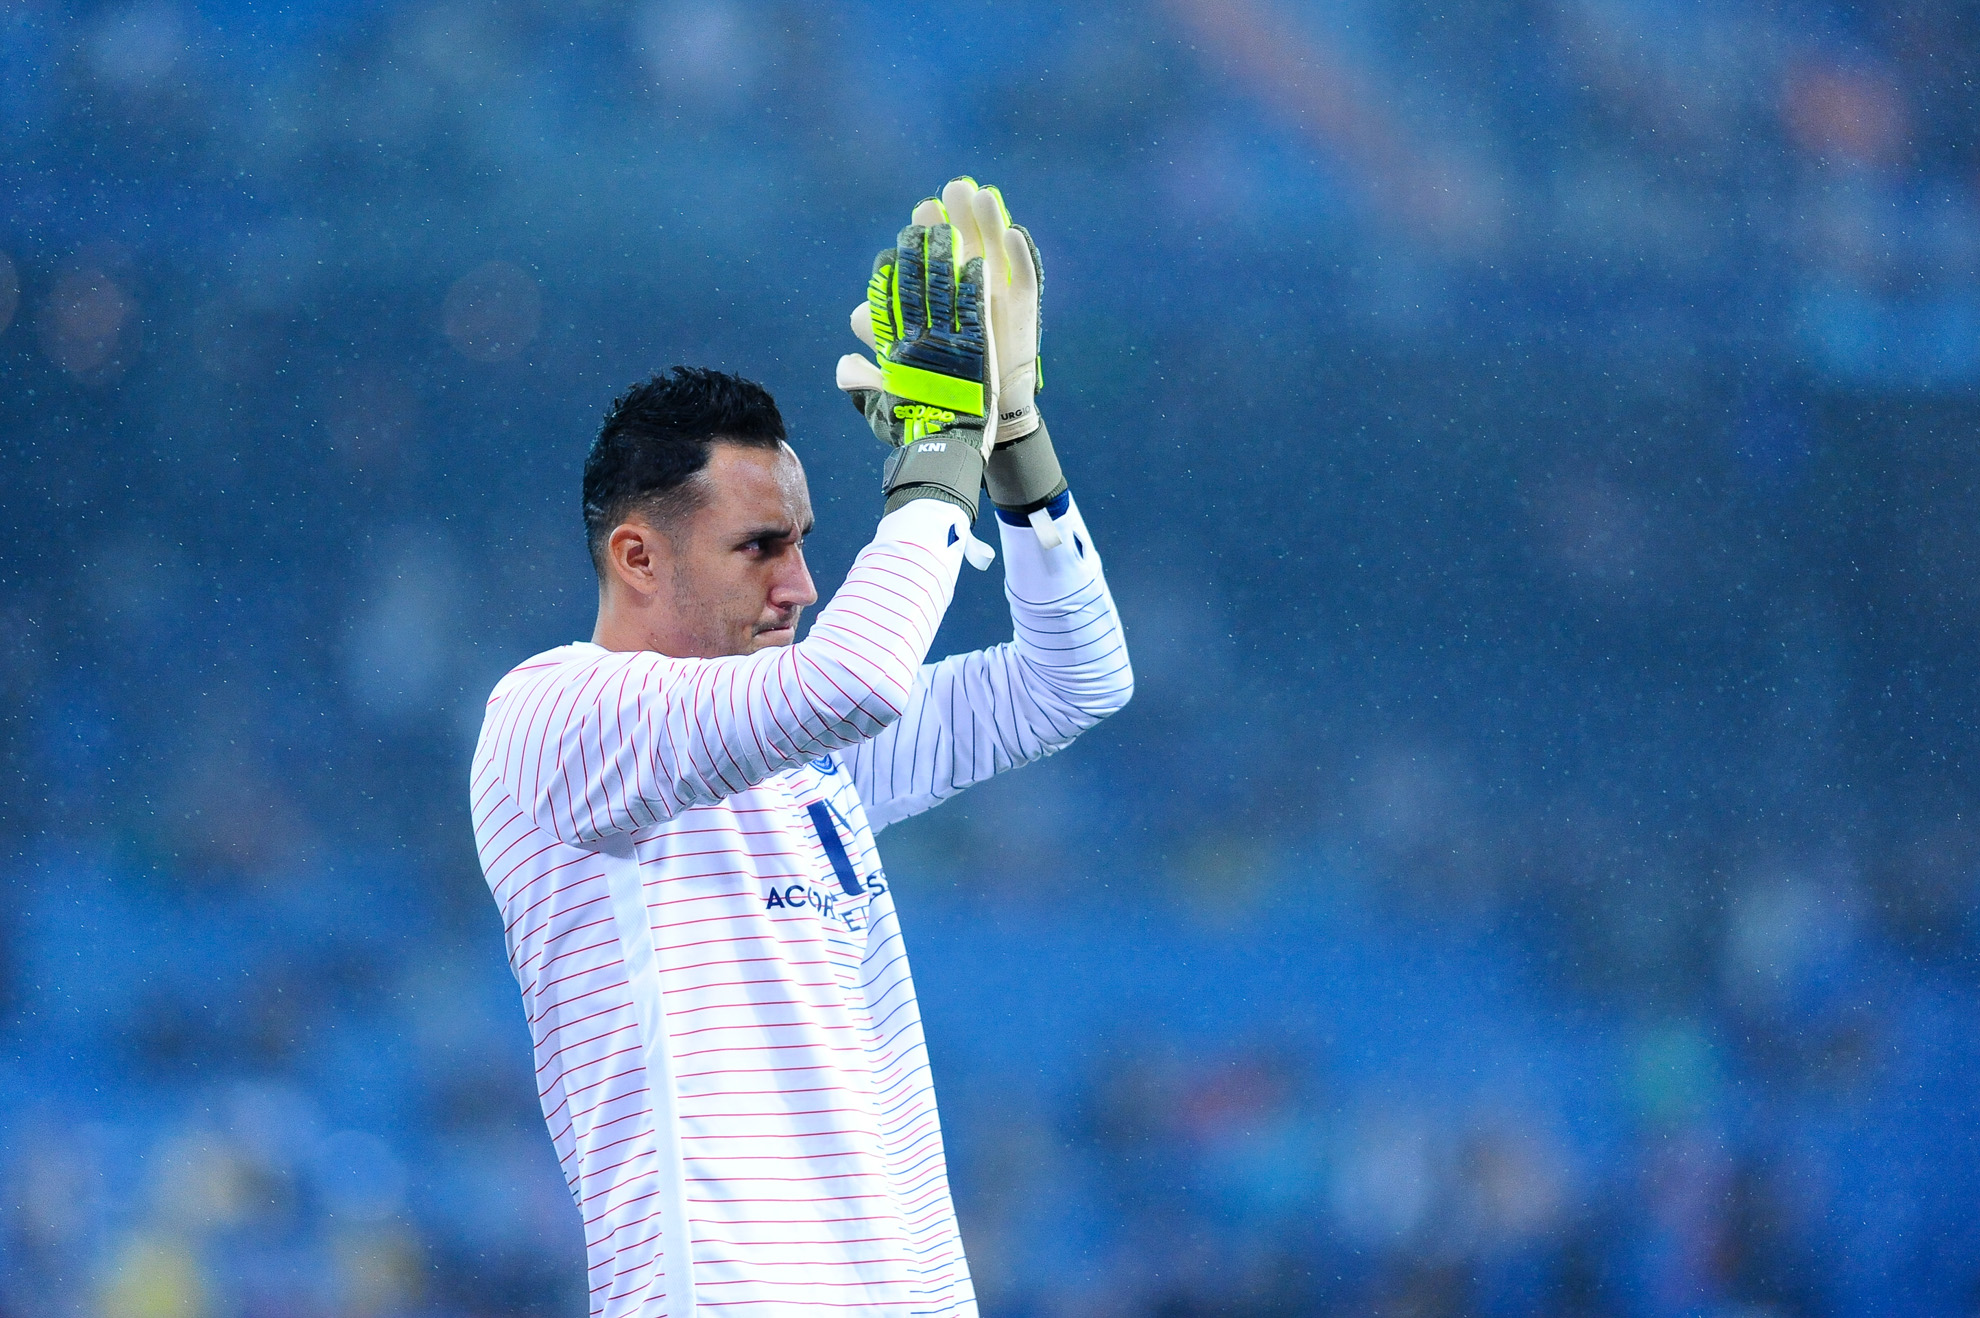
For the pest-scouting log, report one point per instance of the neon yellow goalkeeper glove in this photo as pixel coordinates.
(1023, 473)
(1013, 277)
(929, 395)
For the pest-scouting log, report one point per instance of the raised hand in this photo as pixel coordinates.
(928, 391)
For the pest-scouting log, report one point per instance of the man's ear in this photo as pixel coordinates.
(638, 556)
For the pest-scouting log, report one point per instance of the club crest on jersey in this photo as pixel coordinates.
(825, 764)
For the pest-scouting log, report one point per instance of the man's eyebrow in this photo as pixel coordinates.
(780, 531)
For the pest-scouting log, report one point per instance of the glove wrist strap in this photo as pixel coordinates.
(947, 465)
(1023, 475)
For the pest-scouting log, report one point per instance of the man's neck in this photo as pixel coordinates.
(614, 630)
(625, 629)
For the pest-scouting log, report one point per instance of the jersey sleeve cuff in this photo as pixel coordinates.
(1031, 571)
(936, 523)
(1058, 506)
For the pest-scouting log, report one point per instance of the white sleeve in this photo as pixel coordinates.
(974, 715)
(621, 741)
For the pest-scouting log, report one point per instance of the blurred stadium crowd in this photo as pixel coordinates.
(1533, 447)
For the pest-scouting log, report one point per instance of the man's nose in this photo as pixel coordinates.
(793, 588)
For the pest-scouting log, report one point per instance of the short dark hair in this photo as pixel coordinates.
(655, 441)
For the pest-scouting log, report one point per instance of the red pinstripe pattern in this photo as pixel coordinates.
(810, 1149)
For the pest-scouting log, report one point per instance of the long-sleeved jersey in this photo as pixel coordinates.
(728, 1047)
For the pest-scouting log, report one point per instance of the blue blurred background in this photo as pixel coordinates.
(1534, 447)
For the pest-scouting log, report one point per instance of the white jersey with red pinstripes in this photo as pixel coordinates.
(727, 1041)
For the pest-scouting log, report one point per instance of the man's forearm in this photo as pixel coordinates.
(620, 741)
(1067, 631)
(977, 714)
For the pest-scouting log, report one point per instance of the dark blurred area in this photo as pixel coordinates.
(1534, 446)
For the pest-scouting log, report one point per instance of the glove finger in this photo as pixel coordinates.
(928, 212)
(969, 295)
(911, 279)
(957, 195)
(1003, 211)
(959, 200)
(881, 319)
(1022, 255)
(862, 324)
(973, 320)
(856, 375)
(942, 275)
(988, 209)
(1028, 273)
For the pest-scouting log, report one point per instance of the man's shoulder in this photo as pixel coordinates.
(561, 659)
(551, 658)
(577, 664)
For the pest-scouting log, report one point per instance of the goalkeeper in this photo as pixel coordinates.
(677, 817)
